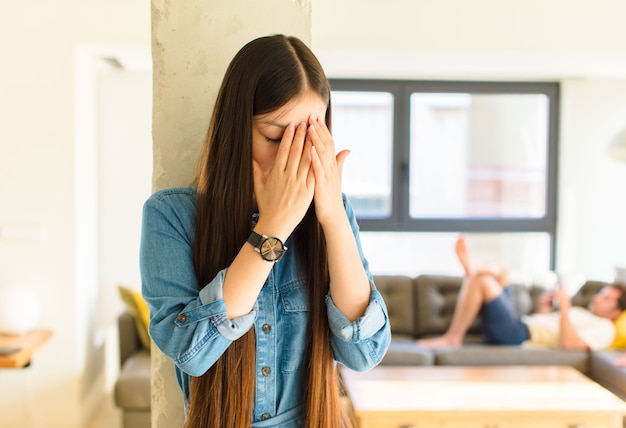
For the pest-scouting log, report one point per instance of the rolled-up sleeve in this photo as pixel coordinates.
(213, 302)
(361, 344)
(372, 321)
(187, 324)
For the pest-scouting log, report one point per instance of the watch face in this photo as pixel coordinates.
(272, 249)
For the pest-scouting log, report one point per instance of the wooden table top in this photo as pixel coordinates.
(499, 388)
(26, 344)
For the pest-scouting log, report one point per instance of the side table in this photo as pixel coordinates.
(25, 345)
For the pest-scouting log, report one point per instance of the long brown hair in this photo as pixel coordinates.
(263, 76)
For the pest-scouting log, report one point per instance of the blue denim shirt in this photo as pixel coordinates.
(191, 327)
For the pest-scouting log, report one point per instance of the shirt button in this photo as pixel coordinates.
(265, 416)
(267, 328)
(266, 371)
(181, 317)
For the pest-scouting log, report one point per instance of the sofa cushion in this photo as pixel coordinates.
(492, 355)
(436, 297)
(129, 341)
(586, 292)
(607, 373)
(132, 418)
(138, 308)
(403, 351)
(132, 388)
(398, 293)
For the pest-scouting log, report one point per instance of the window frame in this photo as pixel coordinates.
(400, 219)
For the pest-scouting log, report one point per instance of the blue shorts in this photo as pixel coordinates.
(500, 322)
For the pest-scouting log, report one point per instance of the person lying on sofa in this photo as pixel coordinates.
(485, 290)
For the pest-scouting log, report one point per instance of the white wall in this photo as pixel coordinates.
(479, 25)
(39, 41)
(124, 183)
(592, 206)
(477, 39)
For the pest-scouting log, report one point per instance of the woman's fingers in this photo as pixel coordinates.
(286, 193)
(295, 149)
(257, 174)
(305, 169)
(341, 158)
(282, 156)
(327, 167)
(325, 160)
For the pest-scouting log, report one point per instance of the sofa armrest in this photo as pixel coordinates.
(128, 338)
(132, 388)
(607, 373)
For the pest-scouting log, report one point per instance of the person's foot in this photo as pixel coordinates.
(462, 253)
(439, 342)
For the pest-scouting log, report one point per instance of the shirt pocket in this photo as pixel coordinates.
(294, 315)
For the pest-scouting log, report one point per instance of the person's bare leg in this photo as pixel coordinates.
(474, 292)
(462, 253)
(496, 268)
(467, 305)
(481, 284)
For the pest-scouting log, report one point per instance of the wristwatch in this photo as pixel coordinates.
(270, 248)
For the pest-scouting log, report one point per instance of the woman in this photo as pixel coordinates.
(255, 277)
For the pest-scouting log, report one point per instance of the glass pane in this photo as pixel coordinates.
(478, 155)
(527, 255)
(363, 123)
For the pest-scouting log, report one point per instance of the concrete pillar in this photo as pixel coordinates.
(192, 43)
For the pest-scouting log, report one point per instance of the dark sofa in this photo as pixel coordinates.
(422, 307)
(418, 307)
(132, 388)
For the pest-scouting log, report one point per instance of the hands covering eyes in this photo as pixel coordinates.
(306, 168)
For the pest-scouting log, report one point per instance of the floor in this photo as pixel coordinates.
(107, 416)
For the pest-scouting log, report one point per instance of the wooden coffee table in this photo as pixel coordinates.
(485, 397)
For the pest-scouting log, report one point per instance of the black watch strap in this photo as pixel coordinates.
(255, 240)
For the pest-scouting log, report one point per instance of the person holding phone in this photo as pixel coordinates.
(486, 291)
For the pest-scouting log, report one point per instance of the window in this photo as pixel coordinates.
(366, 119)
(447, 157)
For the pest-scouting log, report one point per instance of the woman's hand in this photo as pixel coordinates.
(349, 284)
(284, 196)
(327, 169)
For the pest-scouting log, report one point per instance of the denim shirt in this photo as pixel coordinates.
(191, 327)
